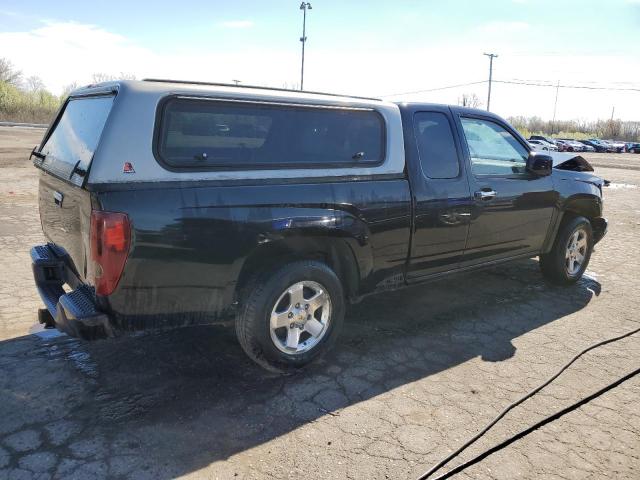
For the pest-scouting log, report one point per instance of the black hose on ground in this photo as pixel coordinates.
(528, 430)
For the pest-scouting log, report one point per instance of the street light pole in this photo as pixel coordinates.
(304, 6)
(491, 57)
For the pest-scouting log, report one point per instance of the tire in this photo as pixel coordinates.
(561, 265)
(273, 297)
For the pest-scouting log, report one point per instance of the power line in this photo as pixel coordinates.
(514, 82)
(585, 87)
(582, 82)
(434, 89)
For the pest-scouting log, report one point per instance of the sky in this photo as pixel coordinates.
(368, 48)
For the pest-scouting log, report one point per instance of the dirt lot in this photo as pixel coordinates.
(415, 374)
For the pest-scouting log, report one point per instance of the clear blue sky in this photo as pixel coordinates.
(372, 47)
(566, 26)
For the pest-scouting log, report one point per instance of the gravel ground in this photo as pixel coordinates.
(415, 373)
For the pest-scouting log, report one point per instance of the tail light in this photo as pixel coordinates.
(110, 241)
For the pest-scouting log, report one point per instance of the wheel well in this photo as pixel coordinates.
(571, 214)
(586, 206)
(333, 252)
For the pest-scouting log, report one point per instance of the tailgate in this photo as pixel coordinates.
(65, 213)
(65, 158)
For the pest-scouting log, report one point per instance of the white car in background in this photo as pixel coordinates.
(542, 146)
(574, 145)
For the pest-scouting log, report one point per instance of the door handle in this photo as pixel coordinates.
(485, 194)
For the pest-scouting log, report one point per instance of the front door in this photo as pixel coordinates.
(512, 207)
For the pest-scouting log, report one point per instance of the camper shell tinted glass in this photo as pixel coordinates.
(72, 141)
(203, 134)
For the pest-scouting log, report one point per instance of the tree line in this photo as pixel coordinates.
(25, 99)
(611, 129)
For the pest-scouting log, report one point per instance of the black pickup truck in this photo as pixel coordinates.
(171, 203)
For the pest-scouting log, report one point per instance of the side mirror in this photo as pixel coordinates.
(539, 164)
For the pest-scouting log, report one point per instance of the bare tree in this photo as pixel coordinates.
(34, 84)
(67, 89)
(470, 100)
(101, 77)
(8, 74)
(108, 77)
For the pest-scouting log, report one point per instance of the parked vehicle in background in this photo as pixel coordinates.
(618, 147)
(537, 146)
(605, 145)
(550, 140)
(597, 147)
(632, 147)
(551, 146)
(587, 148)
(564, 146)
(170, 204)
(573, 145)
(542, 146)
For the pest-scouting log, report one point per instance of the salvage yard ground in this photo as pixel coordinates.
(415, 374)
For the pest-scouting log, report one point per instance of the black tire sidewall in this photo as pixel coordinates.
(262, 300)
(561, 245)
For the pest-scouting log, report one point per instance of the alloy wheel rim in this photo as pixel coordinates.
(576, 251)
(300, 317)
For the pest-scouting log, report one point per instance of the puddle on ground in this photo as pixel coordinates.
(71, 348)
(45, 333)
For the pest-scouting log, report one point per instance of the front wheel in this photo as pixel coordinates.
(291, 315)
(568, 259)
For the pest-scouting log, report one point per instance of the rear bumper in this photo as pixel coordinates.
(74, 313)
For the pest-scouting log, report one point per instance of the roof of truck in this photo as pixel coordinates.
(129, 135)
(255, 87)
(185, 87)
(161, 86)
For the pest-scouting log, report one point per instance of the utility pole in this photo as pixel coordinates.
(491, 57)
(304, 6)
(237, 82)
(613, 109)
(555, 105)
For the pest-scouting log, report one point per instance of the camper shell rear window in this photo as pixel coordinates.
(209, 134)
(72, 141)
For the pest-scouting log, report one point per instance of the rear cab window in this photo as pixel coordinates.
(69, 148)
(202, 134)
(436, 145)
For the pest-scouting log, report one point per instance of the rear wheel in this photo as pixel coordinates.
(568, 259)
(290, 315)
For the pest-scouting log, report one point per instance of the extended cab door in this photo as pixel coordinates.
(512, 208)
(442, 201)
